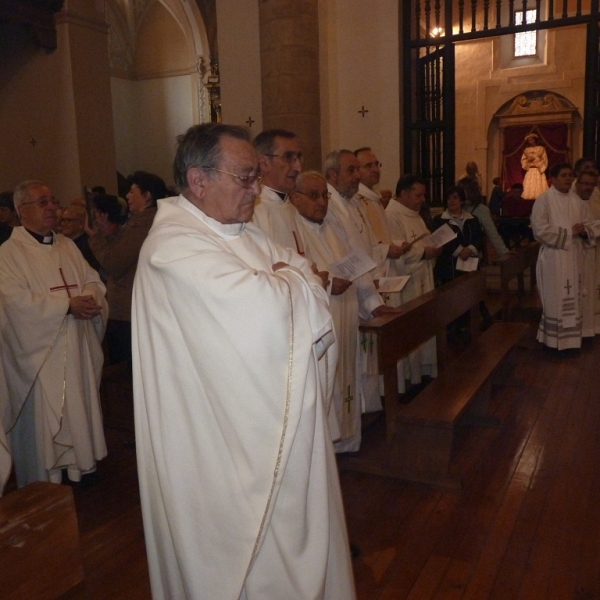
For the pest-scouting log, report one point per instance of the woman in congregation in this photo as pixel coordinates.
(468, 242)
(118, 252)
(475, 205)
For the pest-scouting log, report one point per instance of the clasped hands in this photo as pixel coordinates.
(84, 307)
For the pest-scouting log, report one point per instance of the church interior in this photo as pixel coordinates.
(93, 90)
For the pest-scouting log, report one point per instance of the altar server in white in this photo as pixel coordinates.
(557, 220)
(239, 488)
(53, 314)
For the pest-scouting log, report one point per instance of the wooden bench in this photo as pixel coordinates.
(515, 265)
(420, 436)
(39, 543)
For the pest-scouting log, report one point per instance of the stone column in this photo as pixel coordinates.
(289, 56)
(84, 32)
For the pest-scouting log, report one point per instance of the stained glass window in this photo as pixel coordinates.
(525, 41)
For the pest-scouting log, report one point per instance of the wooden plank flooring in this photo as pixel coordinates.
(526, 525)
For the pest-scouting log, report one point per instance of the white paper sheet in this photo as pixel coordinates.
(439, 237)
(469, 264)
(352, 266)
(388, 285)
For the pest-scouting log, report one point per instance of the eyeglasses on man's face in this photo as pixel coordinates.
(316, 195)
(289, 157)
(43, 202)
(246, 181)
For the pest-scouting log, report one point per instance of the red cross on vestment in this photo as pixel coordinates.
(65, 285)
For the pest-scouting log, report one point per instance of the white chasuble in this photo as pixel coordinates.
(406, 225)
(276, 217)
(239, 486)
(559, 268)
(323, 247)
(375, 211)
(52, 362)
(348, 218)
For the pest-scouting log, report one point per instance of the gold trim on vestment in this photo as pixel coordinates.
(283, 433)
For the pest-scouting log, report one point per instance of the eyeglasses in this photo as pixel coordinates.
(247, 181)
(371, 165)
(316, 195)
(289, 157)
(43, 202)
(67, 220)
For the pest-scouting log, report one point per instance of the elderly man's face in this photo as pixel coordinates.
(346, 182)
(585, 186)
(223, 196)
(311, 199)
(71, 223)
(38, 212)
(280, 170)
(369, 168)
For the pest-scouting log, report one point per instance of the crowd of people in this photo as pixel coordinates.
(237, 304)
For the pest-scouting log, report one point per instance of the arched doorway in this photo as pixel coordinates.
(551, 116)
(157, 50)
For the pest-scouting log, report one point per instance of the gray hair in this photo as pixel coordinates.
(21, 193)
(200, 146)
(307, 175)
(332, 161)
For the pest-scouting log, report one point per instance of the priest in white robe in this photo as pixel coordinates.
(326, 244)
(347, 213)
(53, 314)
(371, 200)
(369, 177)
(280, 160)
(407, 226)
(557, 221)
(239, 487)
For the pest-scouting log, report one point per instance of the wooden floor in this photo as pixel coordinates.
(526, 525)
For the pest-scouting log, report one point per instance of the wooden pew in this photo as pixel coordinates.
(421, 319)
(515, 265)
(39, 543)
(420, 436)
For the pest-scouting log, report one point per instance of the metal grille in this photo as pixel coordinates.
(430, 30)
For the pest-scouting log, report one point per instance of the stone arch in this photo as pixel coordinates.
(156, 49)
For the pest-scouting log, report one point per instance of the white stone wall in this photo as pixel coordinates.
(359, 66)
